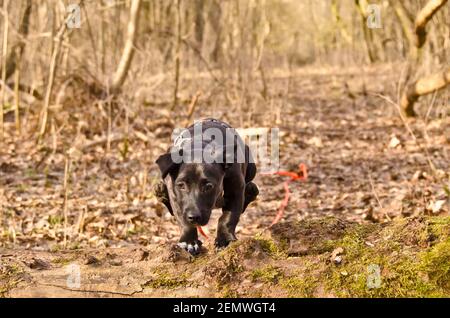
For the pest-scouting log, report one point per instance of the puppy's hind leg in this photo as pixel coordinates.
(251, 192)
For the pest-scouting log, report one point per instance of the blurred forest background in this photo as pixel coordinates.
(358, 89)
(234, 43)
(91, 92)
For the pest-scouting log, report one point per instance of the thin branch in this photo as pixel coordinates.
(120, 75)
(51, 78)
(4, 60)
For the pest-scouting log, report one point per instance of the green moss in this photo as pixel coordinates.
(64, 260)
(298, 286)
(404, 258)
(225, 267)
(403, 271)
(228, 292)
(166, 281)
(274, 250)
(55, 220)
(436, 263)
(267, 274)
(439, 228)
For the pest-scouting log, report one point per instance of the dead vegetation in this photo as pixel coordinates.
(85, 113)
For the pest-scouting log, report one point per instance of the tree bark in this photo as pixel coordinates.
(4, 61)
(368, 36)
(51, 76)
(18, 48)
(338, 20)
(428, 84)
(177, 56)
(422, 19)
(406, 23)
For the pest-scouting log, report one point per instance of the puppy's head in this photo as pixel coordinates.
(193, 188)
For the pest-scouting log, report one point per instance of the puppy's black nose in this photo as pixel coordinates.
(194, 218)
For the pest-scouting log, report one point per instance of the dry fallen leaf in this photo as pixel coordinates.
(436, 206)
(394, 142)
(315, 141)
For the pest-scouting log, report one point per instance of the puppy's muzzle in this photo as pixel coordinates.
(197, 218)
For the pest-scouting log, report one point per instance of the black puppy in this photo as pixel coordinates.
(208, 167)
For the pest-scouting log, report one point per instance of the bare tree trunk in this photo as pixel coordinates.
(120, 75)
(368, 36)
(429, 84)
(406, 23)
(177, 55)
(199, 22)
(18, 48)
(102, 39)
(4, 61)
(16, 92)
(52, 72)
(338, 20)
(216, 16)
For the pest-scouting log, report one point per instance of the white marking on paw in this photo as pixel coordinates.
(182, 245)
(191, 248)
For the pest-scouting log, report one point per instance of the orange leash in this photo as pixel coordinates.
(200, 230)
(302, 175)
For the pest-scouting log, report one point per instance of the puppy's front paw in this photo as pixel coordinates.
(193, 248)
(222, 242)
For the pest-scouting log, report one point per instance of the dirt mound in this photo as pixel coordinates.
(324, 257)
(309, 237)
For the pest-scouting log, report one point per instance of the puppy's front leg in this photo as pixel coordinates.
(189, 239)
(231, 212)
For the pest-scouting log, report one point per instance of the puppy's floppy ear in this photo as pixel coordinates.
(166, 164)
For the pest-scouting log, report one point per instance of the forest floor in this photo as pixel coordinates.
(372, 177)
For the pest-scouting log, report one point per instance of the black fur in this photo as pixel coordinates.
(193, 189)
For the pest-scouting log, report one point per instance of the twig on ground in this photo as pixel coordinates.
(66, 195)
(408, 128)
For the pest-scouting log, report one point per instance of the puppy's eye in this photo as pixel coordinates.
(208, 187)
(181, 186)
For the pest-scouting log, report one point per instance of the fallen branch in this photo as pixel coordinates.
(423, 86)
